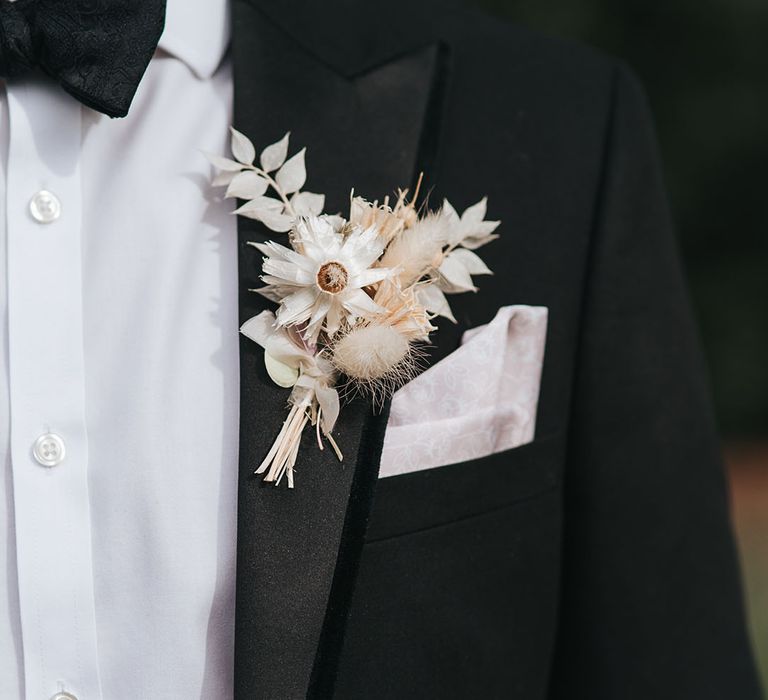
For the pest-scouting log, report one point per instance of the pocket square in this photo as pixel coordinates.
(479, 400)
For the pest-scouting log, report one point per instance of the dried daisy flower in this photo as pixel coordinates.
(323, 285)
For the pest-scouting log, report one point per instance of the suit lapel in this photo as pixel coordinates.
(298, 550)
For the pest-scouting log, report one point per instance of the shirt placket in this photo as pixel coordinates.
(48, 432)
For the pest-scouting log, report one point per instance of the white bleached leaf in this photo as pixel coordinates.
(449, 211)
(276, 221)
(471, 261)
(255, 206)
(474, 243)
(471, 230)
(434, 301)
(242, 148)
(308, 203)
(293, 174)
(246, 185)
(476, 213)
(273, 156)
(222, 163)
(457, 276)
(328, 398)
(259, 328)
(281, 374)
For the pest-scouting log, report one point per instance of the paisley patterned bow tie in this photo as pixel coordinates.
(97, 50)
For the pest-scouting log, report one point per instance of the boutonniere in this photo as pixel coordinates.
(355, 296)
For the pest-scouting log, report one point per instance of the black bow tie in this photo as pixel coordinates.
(97, 50)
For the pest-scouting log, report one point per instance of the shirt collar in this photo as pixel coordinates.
(197, 32)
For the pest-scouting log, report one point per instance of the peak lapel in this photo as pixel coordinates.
(298, 550)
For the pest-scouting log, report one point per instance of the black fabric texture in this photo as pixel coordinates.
(650, 605)
(97, 50)
(596, 562)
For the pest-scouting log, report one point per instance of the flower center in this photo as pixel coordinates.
(332, 277)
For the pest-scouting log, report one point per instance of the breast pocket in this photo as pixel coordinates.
(456, 595)
(432, 497)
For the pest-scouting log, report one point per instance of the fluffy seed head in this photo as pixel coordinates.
(369, 353)
(417, 249)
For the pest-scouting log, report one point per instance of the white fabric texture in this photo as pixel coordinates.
(118, 332)
(479, 400)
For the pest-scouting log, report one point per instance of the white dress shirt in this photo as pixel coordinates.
(119, 383)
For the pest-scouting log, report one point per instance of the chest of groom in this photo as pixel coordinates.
(352, 586)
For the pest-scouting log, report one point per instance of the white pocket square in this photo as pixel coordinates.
(479, 400)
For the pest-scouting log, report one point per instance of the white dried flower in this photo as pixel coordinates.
(365, 214)
(403, 310)
(323, 285)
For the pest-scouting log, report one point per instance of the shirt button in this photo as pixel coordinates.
(45, 207)
(63, 696)
(49, 451)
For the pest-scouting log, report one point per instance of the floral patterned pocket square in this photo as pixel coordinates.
(479, 400)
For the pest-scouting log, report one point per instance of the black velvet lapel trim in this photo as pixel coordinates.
(298, 550)
(350, 550)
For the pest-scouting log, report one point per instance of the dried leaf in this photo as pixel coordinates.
(255, 206)
(308, 203)
(473, 243)
(434, 301)
(456, 275)
(246, 185)
(328, 398)
(293, 174)
(222, 163)
(281, 374)
(276, 221)
(476, 213)
(449, 211)
(242, 148)
(471, 261)
(273, 156)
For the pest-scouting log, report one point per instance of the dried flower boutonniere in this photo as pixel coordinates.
(355, 297)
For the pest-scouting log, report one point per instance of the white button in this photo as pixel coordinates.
(45, 207)
(63, 696)
(49, 451)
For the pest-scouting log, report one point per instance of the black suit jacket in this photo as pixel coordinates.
(596, 562)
